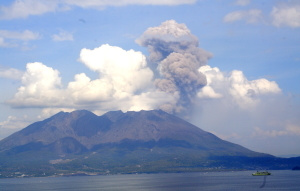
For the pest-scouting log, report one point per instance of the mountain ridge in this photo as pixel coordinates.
(133, 142)
(115, 126)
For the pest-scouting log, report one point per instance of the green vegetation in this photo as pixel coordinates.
(116, 160)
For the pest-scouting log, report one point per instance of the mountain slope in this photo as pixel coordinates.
(117, 142)
(92, 131)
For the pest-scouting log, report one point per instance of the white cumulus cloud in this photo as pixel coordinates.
(255, 110)
(246, 93)
(125, 71)
(83, 89)
(125, 82)
(40, 86)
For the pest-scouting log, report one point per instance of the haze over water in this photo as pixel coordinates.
(241, 180)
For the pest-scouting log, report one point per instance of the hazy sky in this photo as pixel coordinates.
(231, 67)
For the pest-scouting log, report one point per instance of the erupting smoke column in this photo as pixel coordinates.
(175, 50)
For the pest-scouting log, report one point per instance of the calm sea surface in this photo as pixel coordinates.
(279, 180)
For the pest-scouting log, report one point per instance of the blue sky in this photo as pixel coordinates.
(104, 55)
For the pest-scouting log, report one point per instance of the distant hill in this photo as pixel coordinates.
(117, 142)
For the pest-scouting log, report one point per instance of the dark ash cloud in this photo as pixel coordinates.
(175, 50)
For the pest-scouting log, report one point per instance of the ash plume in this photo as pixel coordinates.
(175, 50)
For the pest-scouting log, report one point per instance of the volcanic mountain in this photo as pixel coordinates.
(82, 130)
(145, 141)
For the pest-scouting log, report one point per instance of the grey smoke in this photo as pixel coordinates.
(175, 50)
(167, 38)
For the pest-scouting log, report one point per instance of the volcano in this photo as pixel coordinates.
(117, 142)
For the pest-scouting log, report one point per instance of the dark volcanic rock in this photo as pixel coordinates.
(82, 130)
(117, 142)
(89, 124)
(67, 145)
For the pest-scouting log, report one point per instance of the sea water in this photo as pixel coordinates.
(238, 180)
